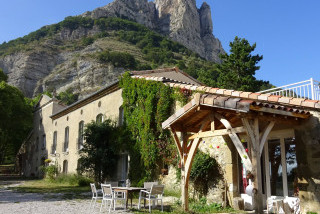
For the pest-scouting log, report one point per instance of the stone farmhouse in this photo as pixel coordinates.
(274, 140)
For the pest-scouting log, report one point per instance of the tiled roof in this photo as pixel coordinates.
(257, 97)
(167, 75)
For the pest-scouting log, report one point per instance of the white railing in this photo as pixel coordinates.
(309, 89)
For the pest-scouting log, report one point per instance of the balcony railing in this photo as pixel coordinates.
(308, 89)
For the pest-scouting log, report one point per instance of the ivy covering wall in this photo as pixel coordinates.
(146, 105)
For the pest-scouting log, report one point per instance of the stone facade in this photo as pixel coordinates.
(308, 145)
(45, 127)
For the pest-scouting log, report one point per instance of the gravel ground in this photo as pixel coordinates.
(32, 203)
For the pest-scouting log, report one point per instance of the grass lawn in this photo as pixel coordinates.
(44, 186)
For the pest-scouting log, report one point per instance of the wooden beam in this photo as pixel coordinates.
(250, 131)
(265, 134)
(176, 141)
(219, 132)
(213, 124)
(236, 141)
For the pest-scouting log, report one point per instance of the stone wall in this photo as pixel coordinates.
(226, 155)
(308, 158)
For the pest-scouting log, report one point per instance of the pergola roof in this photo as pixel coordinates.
(202, 105)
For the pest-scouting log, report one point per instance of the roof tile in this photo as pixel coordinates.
(296, 101)
(208, 100)
(228, 92)
(254, 96)
(273, 98)
(213, 90)
(188, 86)
(194, 88)
(231, 103)
(181, 85)
(309, 103)
(244, 105)
(219, 101)
(236, 93)
(317, 105)
(220, 91)
(263, 96)
(201, 88)
(245, 94)
(207, 89)
(284, 99)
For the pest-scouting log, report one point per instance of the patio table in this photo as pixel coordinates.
(129, 192)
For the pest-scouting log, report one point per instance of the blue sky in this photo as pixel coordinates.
(287, 32)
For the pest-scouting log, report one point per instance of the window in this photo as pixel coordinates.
(65, 167)
(44, 141)
(121, 116)
(66, 139)
(54, 143)
(40, 123)
(80, 135)
(99, 118)
(37, 144)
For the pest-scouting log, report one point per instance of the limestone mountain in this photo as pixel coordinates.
(86, 52)
(181, 20)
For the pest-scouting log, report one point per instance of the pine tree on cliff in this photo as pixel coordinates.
(238, 68)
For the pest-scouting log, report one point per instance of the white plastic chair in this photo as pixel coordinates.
(94, 195)
(107, 195)
(117, 195)
(148, 185)
(155, 194)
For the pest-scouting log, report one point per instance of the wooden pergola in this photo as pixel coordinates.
(209, 115)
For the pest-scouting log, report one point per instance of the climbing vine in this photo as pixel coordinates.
(146, 105)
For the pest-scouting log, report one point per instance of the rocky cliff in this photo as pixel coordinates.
(60, 61)
(180, 20)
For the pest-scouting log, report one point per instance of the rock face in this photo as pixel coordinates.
(181, 20)
(46, 65)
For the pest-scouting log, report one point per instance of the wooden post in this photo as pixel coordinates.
(252, 127)
(184, 184)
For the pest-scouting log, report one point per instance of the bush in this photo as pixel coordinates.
(118, 59)
(205, 170)
(50, 172)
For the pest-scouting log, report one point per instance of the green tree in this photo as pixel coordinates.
(3, 76)
(238, 68)
(100, 152)
(68, 97)
(15, 122)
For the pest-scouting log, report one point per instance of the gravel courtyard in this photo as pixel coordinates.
(33, 203)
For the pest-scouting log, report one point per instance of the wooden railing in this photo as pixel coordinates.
(308, 89)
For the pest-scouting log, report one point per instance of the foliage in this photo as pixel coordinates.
(203, 207)
(239, 67)
(99, 154)
(50, 172)
(3, 76)
(204, 171)
(68, 97)
(34, 101)
(16, 120)
(118, 59)
(146, 105)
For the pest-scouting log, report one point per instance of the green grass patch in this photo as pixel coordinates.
(62, 184)
(172, 192)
